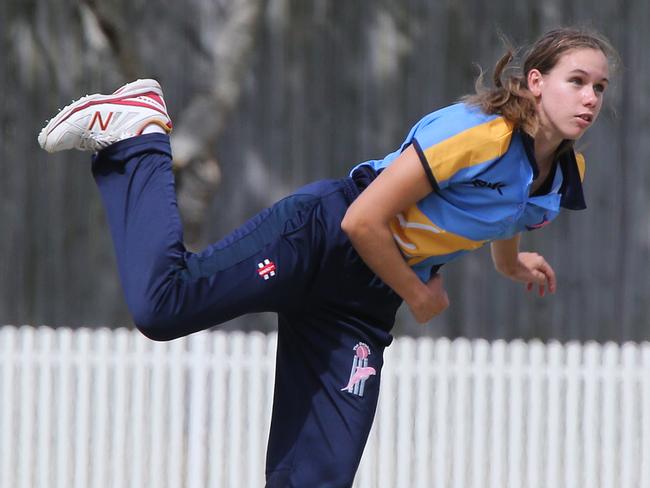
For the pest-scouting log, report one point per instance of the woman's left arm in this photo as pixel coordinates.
(525, 267)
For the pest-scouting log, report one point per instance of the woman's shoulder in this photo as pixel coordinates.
(462, 114)
(464, 122)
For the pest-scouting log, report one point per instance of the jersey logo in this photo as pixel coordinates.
(266, 269)
(103, 125)
(478, 183)
(360, 371)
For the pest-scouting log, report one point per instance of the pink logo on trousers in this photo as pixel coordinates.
(360, 371)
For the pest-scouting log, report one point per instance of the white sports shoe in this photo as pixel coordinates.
(97, 121)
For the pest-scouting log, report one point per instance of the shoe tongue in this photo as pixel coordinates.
(153, 129)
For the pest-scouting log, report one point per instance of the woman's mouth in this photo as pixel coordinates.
(584, 120)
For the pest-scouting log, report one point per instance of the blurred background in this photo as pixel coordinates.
(267, 95)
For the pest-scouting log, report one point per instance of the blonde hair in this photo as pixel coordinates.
(509, 96)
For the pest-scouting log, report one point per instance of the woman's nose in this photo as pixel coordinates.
(590, 97)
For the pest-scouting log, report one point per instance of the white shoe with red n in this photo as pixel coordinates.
(97, 121)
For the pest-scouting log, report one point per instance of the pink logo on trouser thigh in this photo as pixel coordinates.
(361, 373)
(360, 370)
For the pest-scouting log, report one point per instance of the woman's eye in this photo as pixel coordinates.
(598, 88)
(576, 81)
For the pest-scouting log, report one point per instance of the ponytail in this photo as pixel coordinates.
(509, 96)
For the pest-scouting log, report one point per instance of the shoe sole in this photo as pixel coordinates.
(135, 88)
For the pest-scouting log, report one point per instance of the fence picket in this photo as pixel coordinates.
(197, 417)
(518, 364)
(610, 419)
(535, 418)
(45, 356)
(644, 453)
(423, 414)
(255, 403)
(386, 428)
(554, 423)
(217, 448)
(100, 402)
(441, 439)
(26, 423)
(570, 426)
(460, 411)
(65, 410)
(405, 396)
(498, 414)
(629, 447)
(177, 415)
(236, 419)
(591, 415)
(81, 419)
(158, 411)
(480, 414)
(8, 367)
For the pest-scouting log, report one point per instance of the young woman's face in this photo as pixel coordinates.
(570, 96)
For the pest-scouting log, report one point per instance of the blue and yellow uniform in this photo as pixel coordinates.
(481, 169)
(334, 314)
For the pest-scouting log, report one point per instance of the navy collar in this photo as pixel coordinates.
(571, 193)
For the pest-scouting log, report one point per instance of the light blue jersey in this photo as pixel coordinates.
(481, 169)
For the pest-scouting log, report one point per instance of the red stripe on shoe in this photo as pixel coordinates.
(115, 101)
(138, 104)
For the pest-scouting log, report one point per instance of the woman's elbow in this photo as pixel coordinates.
(354, 224)
(347, 224)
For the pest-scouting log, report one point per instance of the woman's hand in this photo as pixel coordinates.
(525, 267)
(533, 269)
(431, 303)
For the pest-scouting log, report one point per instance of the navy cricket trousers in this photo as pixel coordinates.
(334, 314)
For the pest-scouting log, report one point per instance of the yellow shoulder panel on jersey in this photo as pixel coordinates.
(580, 159)
(468, 148)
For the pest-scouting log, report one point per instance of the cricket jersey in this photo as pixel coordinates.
(481, 169)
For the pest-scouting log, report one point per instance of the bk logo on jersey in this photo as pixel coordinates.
(497, 185)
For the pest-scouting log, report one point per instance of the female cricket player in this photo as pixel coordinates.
(336, 258)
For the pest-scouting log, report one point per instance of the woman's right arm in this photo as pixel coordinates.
(366, 223)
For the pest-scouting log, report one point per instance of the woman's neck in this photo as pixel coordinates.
(545, 148)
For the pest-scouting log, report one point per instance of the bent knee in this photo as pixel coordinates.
(156, 325)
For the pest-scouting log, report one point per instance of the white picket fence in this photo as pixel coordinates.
(98, 408)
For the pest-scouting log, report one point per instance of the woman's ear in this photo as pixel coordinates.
(535, 81)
